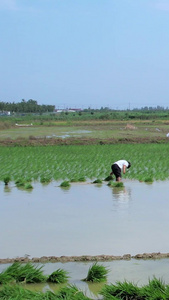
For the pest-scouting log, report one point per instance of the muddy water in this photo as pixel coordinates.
(136, 271)
(84, 220)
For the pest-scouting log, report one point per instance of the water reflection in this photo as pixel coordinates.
(121, 198)
(7, 189)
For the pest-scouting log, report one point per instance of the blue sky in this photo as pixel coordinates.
(85, 53)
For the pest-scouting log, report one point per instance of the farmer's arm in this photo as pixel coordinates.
(124, 169)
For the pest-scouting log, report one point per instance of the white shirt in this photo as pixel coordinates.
(122, 163)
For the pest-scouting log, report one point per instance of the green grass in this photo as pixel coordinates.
(6, 179)
(115, 184)
(97, 273)
(58, 276)
(17, 272)
(83, 162)
(97, 181)
(154, 290)
(65, 184)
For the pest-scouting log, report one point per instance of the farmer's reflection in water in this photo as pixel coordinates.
(121, 195)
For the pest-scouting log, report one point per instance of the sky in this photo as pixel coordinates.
(85, 53)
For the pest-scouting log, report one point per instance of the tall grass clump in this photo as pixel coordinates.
(19, 273)
(108, 178)
(45, 179)
(97, 273)
(16, 292)
(71, 292)
(7, 179)
(65, 184)
(28, 186)
(148, 179)
(58, 276)
(115, 184)
(19, 182)
(121, 290)
(155, 289)
(97, 181)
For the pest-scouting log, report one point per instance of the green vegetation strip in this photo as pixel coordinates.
(17, 274)
(148, 162)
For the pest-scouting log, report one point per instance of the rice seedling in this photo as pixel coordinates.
(45, 179)
(58, 276)
(30, 273)
(22, 273)
(97, 181)
(7, 179)
(19, 182)
(108, 178)
(115, 184)
(148, 179)
(65, 184)
(121, 290)
(89, 161)
(74, 180)
(81, 179)
(118, 184)
(71, 292)
(155, 289)
(28, 186)
(97, 273)
(16, 292)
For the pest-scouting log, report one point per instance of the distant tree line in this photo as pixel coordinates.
(30, 106)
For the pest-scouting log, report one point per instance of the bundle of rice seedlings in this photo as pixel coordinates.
(97, 273)
(65, 184)
(10, 273)
(108, 178)
(58, 276)
(19, 182)
(74, 180)
(155, 289)
(7, 179)
(45, 179)
(22, 273)
(14, 292)
(82, 179)
(97, 181)
(71, 292)
(115, 184)
(31, 274)
(148, 179)
(28, 186)
(121, 290)
(110, 183)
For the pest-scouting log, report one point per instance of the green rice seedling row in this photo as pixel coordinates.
(45, 163)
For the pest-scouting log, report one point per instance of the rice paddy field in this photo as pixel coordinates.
(149, 161)
(40, 217)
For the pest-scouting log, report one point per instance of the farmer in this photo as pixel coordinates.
(118, 167)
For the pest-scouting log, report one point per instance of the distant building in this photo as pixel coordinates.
(5, 113)
(67, 110)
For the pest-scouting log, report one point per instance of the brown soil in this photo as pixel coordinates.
(44, 259)
(80, 141)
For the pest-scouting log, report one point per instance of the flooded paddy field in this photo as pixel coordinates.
(88, 219)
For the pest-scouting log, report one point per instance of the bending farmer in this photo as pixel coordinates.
(118, 167)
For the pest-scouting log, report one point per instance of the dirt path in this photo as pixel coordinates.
(80, 141)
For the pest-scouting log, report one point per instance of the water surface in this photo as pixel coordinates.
(86, 219)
